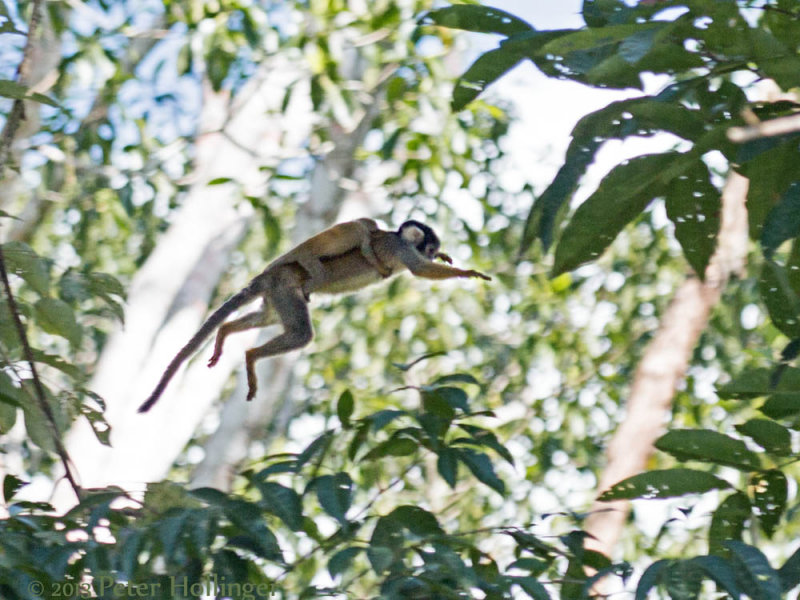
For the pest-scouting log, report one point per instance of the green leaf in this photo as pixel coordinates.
(771, 436)
(482, 468)
(531, 587)
(341, 561)
(335, 494)
(219, 181)
(435, 403)
(720, 571)
(708, 446)
(755, 575)
(682, 579)
(755, 383)
(16, 91)
(781, 406)
(793, 267)
(770, 492)
(595, 39)
(621, 197)
(693, 205)
(11, 395)
(418, 521)
(774, 170)
(484, 437)
(447, 465)
(650, 578)
(486, 69)
(318, 446)
(779, 297)
(666, 483)
(777, 61)
(11, 485)
(382, 418)
(282, 502)
(455, 378)
(380, 558)
(482, 19)
(56, 317)
(256, 536)
(24, 262)
(344, 408)
(636, 46)
(789, 573)
(618, 120)
(783, 221)
(38, 428)
(728, 522)
(397, 445)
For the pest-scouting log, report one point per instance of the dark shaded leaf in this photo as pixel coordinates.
(345, 407)
(789, 573)
(480, 466)
(754, 574)
(728, 522)
(650, 578)
(720, 571)
(56, 317)
(21, 260)
(341, 561)
(779, 297)
(447, 465)
(621, 197)
(693, 205)
(783, 221)
(770, 492)
(708, 446)
(282, 502)
(771, 436)
(11, 485)
(335, 494)
(666, 483)
(482, 19)
(486, 69)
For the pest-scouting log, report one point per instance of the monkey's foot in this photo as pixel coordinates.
(213, 360)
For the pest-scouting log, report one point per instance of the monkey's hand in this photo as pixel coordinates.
(445, 257)
(214, 359)
(472, 273)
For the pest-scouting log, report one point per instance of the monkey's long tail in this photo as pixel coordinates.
(241, 298)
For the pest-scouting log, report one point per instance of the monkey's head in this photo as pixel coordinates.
(421, 237)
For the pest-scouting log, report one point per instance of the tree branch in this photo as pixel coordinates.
(13, 121)
(664, 365)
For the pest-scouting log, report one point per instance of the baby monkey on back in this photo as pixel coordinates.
(344, 258)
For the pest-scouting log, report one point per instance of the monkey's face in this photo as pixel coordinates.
(421, 237)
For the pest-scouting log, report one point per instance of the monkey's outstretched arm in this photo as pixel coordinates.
(422, 267)
(206, 329)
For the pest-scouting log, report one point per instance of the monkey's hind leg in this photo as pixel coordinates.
(258, 318)
(290, 305)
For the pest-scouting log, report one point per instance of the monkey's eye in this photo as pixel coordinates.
(430, 251)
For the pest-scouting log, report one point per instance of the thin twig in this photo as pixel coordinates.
(41, 399)
(16, 115)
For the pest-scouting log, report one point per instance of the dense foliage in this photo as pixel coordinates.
(445, 444)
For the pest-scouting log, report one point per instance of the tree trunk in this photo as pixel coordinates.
(664, 365)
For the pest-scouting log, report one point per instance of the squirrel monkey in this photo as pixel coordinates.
(332, 262)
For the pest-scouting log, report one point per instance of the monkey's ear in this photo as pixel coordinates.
(411, 233)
